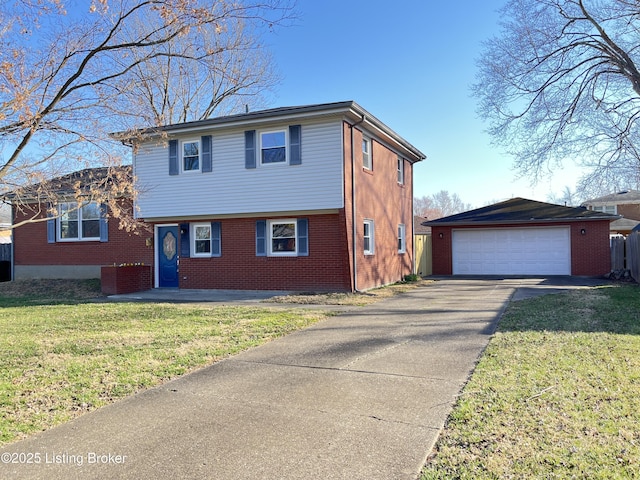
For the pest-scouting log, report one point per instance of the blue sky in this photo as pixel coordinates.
(410, 63)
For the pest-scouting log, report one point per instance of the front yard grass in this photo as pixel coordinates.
(555, 394)
(64, 352)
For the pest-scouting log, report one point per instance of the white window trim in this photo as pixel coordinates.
(190, 140)
(372, 238)
(368, 165)
(400, 171)
(402, 238)
(79, 238)
(270, 251)
(602, 208)
(286, 146)
(192, 235)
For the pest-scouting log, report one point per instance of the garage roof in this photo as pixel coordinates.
(519, 211)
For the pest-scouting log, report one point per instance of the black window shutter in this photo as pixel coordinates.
(303, 237)
(261, 238)
(207, 164)
(184, 240)
(104, 225)
(216, 239)
(295, 145)
(174, 168)
(250, 149)
(51, 227)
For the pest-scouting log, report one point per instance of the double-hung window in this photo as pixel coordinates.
(190, 155)
(402, 246)
(77, 223)
(273, 147)
(400, 171)
(201, 240)
(368, 237)
(366, 154)
(282, 237)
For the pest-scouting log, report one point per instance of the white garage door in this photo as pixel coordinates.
(512, 251)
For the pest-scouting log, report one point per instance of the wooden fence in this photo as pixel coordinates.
(633, 255)
(423, 255)
(625, 255)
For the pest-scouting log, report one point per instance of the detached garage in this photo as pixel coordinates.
(522, 237)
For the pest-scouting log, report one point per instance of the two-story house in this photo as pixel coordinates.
(625, 203)
(315, 197)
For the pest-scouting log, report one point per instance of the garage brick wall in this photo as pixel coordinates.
(590, 253)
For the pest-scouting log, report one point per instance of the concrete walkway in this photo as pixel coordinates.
(362, 395)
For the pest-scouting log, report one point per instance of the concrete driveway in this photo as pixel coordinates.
(362, 395)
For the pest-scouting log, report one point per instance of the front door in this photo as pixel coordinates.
(168, 256)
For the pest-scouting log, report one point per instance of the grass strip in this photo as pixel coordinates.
(555, 394)
(58, 361)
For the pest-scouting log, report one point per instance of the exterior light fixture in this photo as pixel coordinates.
(583, 231)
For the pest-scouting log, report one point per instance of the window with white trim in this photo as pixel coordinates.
(605, 209)
(282, 237)
(401, 170)
(78, 223)
(273, 147)
(366, 154)
(191, 155)
(368, 237)
(402, 246)
(201, 238)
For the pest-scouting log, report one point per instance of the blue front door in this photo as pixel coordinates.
(168, 256)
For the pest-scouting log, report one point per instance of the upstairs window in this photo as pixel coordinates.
(78, 223)
(191, 156)
(273, 147)
(606, 209)
(366, 154)
(400, 171)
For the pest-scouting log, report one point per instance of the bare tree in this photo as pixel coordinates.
(561, 83)
(71, 72)
(438, 205)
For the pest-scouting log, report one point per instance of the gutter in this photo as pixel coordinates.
(354, 227)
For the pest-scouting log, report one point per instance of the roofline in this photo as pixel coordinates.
(347, 108)
(435, 223)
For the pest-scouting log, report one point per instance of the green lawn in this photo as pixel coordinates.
(555, 395)
(62, 352)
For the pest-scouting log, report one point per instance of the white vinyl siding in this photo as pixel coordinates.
(232, 189)
(512, 251)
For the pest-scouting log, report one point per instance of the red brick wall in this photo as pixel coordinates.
(129, 279)
(380, 198)
(590, 253)
(239, 268)
(441, 253)
(31, 246)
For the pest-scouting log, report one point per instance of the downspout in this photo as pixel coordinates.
(354, 227)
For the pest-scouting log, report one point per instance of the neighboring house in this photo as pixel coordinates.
(522, 237)
(76, 242)
(626, 204)
(315, 197)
